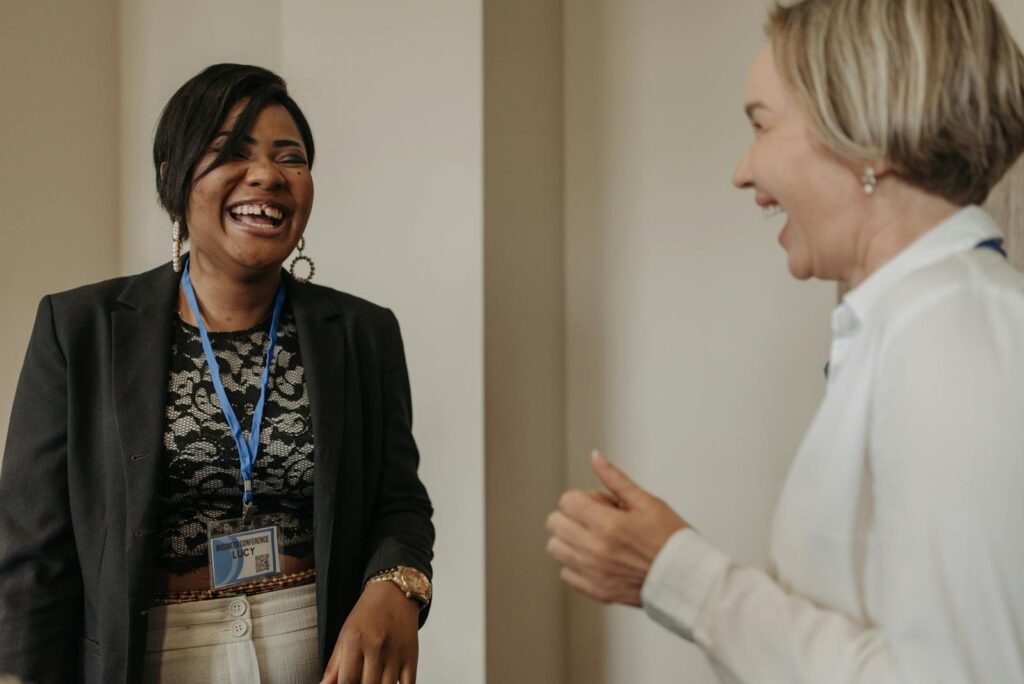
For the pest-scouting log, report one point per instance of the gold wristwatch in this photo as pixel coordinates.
(413, 583)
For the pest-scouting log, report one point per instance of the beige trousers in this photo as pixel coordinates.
(267, 638)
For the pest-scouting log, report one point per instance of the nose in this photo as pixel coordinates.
(742, 177)
(263, 173)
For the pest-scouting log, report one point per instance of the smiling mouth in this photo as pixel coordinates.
(772, 210)
(258, 215)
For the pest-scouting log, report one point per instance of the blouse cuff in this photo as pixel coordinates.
(680, 580)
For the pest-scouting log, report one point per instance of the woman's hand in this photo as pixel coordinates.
(606, 541)
(379, 642)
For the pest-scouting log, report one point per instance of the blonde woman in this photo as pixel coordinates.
(897, 547)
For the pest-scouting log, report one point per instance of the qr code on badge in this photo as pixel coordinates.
(263, 563)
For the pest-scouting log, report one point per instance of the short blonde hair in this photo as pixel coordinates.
(933, 87)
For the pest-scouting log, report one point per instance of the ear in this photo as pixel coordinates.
(163, 169)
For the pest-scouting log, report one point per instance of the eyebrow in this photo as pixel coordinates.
(249, 140)
(753, 107)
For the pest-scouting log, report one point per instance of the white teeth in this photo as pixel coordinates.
(258, 210)
(773, 210)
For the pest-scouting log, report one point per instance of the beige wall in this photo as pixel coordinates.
(1006, 204)
(656, 321)
(162, 45)
(396, 109)
(58, 134)
(524, 337)
(393, 92)
(694, 359)
(1007, 201)
(1013, 13)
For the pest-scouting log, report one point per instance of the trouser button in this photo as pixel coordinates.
(237, 608)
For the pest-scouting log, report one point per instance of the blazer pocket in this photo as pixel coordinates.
(90, 646)
(90, 662)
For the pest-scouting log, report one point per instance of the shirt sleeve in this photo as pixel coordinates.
(752, 628)
(943, 552)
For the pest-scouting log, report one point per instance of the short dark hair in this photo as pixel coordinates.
(193, 115)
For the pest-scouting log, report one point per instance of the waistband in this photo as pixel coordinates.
(231, 619)
(294, 579)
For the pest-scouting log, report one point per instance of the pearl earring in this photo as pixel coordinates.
(870, 181)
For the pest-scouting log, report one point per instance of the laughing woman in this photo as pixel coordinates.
(143, 533)
(897, 552)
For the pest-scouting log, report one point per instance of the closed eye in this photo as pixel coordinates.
(235, 154)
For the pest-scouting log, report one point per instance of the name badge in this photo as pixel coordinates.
(242, 551)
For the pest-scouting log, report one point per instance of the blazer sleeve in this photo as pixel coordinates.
(401, 532)
(40, 579)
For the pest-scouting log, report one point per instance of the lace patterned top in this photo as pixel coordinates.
(202, 481)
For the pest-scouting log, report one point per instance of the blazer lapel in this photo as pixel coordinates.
(141, 351)
(322, 345)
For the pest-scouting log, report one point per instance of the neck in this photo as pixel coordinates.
(895, 220)
(227, 303)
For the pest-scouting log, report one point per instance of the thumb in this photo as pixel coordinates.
(624, 489)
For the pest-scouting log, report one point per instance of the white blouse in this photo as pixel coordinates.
(897, 551)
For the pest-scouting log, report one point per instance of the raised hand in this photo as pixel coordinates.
(606, 541)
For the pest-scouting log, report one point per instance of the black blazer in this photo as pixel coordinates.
(83, 464)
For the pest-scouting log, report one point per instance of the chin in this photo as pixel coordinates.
(799, 269)
(258, 260)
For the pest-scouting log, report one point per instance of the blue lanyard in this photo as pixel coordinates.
(246, 450)
(995, 244)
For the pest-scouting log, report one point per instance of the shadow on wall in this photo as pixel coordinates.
(588, 61)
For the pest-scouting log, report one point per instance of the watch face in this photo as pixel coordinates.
(416, 581)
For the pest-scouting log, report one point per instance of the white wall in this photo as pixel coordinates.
(694, 359)
(394, 95)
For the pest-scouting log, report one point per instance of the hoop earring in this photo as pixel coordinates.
(870, 181)
(176, 245)
(300, 257)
